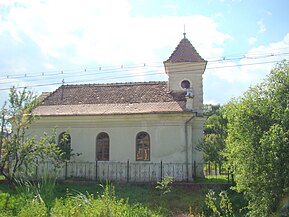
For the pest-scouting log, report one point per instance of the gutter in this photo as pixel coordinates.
(187, 146)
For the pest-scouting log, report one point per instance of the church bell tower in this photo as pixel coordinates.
(185, 69)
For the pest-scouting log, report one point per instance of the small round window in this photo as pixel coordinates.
(185, 84)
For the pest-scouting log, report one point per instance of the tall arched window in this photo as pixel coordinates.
(102, 147)
(142, 146)
(64, 143)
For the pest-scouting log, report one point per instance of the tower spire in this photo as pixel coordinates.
(184, 31)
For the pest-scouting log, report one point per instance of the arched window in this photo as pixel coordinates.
(102, 147)
(142, 146)
(64, 143)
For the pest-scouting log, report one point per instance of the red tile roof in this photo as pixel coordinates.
(122, 98)
(138, 92)
(185, 52)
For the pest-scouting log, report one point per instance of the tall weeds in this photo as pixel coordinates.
(37, 198)
(105, 204)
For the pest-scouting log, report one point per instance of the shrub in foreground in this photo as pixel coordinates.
(104, 205)
(33, 200)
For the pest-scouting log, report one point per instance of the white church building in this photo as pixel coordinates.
(137, 131)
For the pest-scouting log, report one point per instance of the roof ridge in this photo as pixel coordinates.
(114, 84)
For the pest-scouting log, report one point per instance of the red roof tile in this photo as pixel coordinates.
(185, 52)
(144, 92)
(122, 98)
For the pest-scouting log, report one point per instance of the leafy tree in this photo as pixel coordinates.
(258, 141)
(19, 152)
(64, 144)
(210, 109)
(215, 133)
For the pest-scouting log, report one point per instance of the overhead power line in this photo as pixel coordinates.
(105, 72)
(101, 69)
(148, 73)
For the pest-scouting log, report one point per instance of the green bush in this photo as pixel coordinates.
(165, 184)
(224, 204)
(34, 208)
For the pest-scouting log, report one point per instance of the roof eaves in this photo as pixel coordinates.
(113, 114)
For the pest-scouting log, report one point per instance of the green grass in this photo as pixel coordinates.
(220, 179)
(179, 200)
(2, 178)
(63, 197)
(137, 200)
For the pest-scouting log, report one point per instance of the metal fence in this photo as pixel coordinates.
(214, 170)
(128, 171)
(117, 171)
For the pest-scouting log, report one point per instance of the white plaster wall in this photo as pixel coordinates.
(193, 72)
(167, 135)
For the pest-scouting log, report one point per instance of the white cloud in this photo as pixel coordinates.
(261, 25)
(81, 33)
(232, 78)
(98, 32)
(255, 64)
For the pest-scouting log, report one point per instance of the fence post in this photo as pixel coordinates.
(232, 176)
(96, 170)
(161, 170)
(66, 170)
(216, 172)
(127, 172)
(195, 169)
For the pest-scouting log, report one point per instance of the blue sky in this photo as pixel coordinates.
(43, 43)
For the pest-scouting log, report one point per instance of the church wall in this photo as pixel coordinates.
(167, 135)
